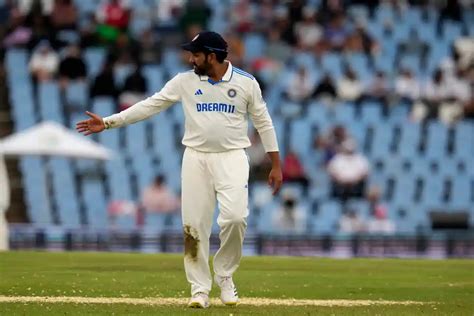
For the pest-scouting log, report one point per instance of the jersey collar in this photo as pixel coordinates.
(227, 76)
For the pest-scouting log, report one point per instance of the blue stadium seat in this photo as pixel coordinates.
(65, 193)
(254, 46)
(49, 102)
(118, 180)
(327, 217)
(404, 188)
(136, 137)
(300, 137)
(432, 190)
(332, 64)
(125, 222)
(103, 106)
(409, 141)
(437, 138)
(154, 222)
(154, 75)
(461, 193)
(143, 167)
(95, 205)
(77, 94)
(94, 58)
(371, 113)
(464, 140)
(381, 141)
(344, 113)
(121, 73)
(36, 192)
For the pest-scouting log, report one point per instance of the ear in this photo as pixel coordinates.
(211, 58)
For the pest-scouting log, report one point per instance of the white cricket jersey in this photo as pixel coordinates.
(215, 112)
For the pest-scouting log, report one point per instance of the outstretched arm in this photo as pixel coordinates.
(93, 125)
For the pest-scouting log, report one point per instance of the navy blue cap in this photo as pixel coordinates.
(206, 41)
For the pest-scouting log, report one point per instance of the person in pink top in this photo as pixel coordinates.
(158, 198)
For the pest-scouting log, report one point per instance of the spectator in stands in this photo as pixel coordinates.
(125, 51)
(64, 15)
(158, 198)
(134, 89)
(40, 31)
(264, 16)
(349, 87)
(308, 32)
(242, 17)
(13, 30)
(325, 88)
(283, 25)
(113, 17)
(104, 83)
(459, 95)
(38, 7)
(72, 67)
(330, 9)
(196, 12)
(451, 11)
(360, 41)
(150, 50)
(276, 49)
(373, 196)
(434, 93)
(336, 33)
(378, 90)
(293, 171)
(350, 222)
(413, 45)
(44, 62)
(259, 163)
(348, 171)
(332, 141)
(380, 223)
(236, 49)
(88, 32)
(289, 218)
(300, 87)
(120, 208)
(407, 87)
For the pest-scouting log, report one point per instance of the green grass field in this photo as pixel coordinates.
(445, 287)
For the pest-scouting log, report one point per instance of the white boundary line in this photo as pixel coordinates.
(163, 301)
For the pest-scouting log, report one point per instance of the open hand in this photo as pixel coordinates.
(93, 125)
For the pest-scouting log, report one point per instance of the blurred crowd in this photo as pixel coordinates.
(56, 33)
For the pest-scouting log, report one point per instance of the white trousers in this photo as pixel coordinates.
(208, 178)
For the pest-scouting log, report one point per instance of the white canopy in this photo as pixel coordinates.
(50, 138)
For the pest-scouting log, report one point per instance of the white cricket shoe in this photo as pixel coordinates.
(228, 290)
(199, 300)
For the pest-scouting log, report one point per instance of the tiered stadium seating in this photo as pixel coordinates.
(412, 164)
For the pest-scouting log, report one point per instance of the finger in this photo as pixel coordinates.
(270, 180)
(82, 126)
(81, 130)
(94, 116)
(83, 123)
(87, 133)
(277, 187)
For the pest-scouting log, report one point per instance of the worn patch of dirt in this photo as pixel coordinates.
(191, 242)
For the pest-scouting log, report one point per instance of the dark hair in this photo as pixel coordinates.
(220, 56)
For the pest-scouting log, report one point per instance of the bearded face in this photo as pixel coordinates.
(200, 64)
(203, 68)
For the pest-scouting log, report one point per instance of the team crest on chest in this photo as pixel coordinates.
(231, 93)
